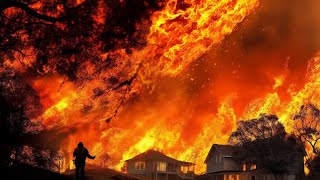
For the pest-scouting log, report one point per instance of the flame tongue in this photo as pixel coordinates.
(184, 30)
(179, 34)
(174, 122)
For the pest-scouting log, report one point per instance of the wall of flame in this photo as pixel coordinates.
(201, 78)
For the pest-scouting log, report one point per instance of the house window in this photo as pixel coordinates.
(191, 168)
(184, 169)
(162, 166)
(232, 177)
(140, 165)
(218, 159)
(244, 167)
(253, 167)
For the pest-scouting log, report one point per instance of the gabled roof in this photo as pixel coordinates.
(157, 156)
(225, 150)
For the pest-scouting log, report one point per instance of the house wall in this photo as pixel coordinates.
(132, 170)
(259, 176)
(210, 177)
(165, 176)
(149, 173)
(231, 165)
(212, 166)
(227, 164)
(248, 175)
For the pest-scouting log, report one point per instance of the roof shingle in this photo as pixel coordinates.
(157, 156)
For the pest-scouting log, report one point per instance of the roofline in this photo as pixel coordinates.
(214, 146)
(227, 156)
(144, 159)
(177, 161)
(206, 160)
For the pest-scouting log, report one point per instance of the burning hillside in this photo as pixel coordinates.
(176, 75)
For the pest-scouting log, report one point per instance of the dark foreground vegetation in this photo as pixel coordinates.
(27, 172)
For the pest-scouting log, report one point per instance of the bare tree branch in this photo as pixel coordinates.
(8, 4)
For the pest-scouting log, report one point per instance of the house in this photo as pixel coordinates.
(226, 162)
(156, 165)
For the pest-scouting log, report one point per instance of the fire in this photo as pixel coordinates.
(185, 30)
(278, 81)
(224, 122)
(173, 122)
(180, 33)
(62, 105)
(156, 138)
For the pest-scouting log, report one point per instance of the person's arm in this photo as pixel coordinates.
(89, 156)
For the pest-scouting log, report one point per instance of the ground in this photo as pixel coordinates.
(99, 174)
(31, 173)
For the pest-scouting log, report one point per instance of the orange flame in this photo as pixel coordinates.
(179, 34)
(137, 133)
(173, 122)
(183, 32)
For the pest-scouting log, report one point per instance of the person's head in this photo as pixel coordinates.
(80, 144)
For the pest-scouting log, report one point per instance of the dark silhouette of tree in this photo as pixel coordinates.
(264, 142)
(314, 167)
(19, 103)
(307, 129)
(60, 35)
(307, 126)
(81, 42)
(265, 126)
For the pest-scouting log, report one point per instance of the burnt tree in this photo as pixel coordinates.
(307, 126)
(273, 150)
(265, 126)
(307, 129)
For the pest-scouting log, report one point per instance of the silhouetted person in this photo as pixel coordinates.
(81, 153)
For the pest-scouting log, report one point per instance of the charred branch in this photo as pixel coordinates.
(8, 4)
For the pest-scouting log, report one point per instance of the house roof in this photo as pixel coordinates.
(157, 156)
(225, 150)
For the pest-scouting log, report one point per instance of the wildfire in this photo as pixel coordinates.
(278, 81)
(185, 30)
(180, 33)
(172, 122)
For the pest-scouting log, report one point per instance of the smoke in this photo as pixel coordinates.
(277, 40)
